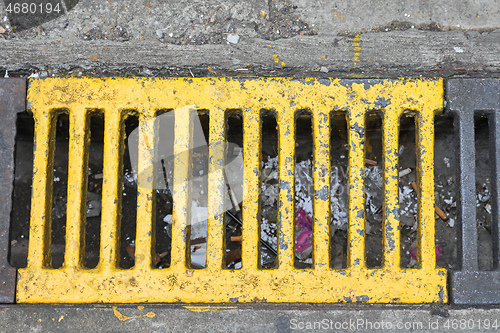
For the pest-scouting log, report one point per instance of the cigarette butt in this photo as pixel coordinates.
(98, 176)
(441, 214)
(371, 162)
(414, 186)
(404, 172)
(236, 238)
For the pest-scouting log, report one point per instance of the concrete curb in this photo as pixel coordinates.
(383, 54)
(248, 318)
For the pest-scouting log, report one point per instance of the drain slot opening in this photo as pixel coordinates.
(59, 175)
(338, 190)
(21, 202)
(483, 192)
(374, 190)
(94, 191)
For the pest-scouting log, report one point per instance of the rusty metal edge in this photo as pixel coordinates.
(12, 101)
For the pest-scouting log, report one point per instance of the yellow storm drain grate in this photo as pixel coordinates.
(118, 97)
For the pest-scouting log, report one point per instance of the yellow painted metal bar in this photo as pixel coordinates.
(145, 234)
(390, 228)
(251, 188)
(76, 212)
(111, 189)
(216, 189)
(356, 213)
(107, 283)
(425, 169)
(286, 197)
(181, 195)
(39, 250)
(321, 131)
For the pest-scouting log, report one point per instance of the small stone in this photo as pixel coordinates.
(401, 150)
(233, 39)
(159, 33)
(93, 204)
(407, 219)
(323, 69)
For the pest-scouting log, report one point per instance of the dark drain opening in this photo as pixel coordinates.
(129, 200)
(163, 204)
(59, 190)
(374, 190)
(304, 191)
(339, 151)
(445, 165)
(21, 203)
(94, 191)
(233, 175)
(198, 216)
(408, 190)
(269, 189)
(483, 192)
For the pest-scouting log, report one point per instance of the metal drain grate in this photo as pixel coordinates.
(466, 98)
(12, 101)
(116, 97)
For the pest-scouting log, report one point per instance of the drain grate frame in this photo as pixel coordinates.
(12, 102)
(466, 97)
(116, 96)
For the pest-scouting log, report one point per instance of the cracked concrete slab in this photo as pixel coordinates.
(173, 22)
(347, 17)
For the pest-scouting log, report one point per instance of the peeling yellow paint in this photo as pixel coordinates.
(195, 308)
(140, 307)
(117, 98)
(277, 60)
(357, 49)
(122, 317)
